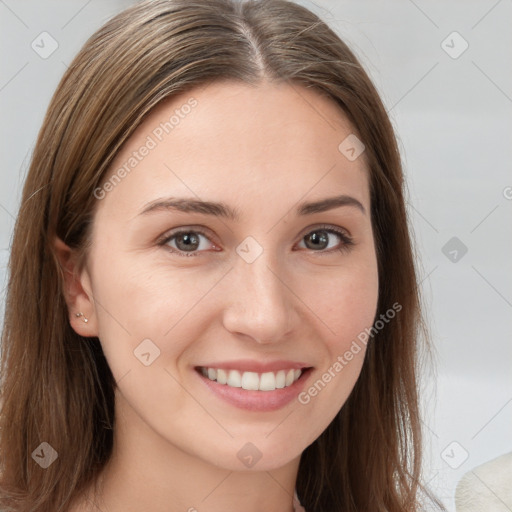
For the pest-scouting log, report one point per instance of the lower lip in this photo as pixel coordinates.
(252, 400)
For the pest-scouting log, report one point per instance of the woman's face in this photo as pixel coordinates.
(273, 289)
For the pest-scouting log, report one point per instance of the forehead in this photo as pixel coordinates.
(242, 143)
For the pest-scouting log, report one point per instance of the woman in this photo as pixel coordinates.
(212, 302)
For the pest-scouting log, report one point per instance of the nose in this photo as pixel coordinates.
(259, 304)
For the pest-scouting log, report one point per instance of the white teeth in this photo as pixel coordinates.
(250, 380)
(280, 379)
(268, 381)
(222, 376)
(234, 379)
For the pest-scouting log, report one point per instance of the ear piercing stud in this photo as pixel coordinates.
(78, 315)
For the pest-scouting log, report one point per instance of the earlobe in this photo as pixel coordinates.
(80, 314)
(76, 290)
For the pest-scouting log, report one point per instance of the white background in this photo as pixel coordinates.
(452, 118)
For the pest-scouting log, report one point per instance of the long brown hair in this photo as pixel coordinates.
(57, 387)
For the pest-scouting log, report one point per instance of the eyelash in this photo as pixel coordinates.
(348, 241)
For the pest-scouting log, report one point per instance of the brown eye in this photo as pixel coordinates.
(187, 242)
(318, 240)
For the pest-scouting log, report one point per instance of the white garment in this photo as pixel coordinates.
(297, 507)
(487, 487)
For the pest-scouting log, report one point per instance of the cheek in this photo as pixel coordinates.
(345, 302)
(353, 310)
(146, 322)
(134, 303)
(346, 308)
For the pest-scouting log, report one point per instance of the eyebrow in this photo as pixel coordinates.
(219, 209)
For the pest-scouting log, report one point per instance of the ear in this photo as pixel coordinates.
(77, 291)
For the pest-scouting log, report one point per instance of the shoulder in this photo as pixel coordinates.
(486, 487)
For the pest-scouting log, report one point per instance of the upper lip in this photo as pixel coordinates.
(248, 365)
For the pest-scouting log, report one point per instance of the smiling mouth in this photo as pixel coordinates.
(266, 381)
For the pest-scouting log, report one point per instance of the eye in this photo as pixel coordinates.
(187, 242)
(319, 237)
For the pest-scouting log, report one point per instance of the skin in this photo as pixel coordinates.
(261, 150)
